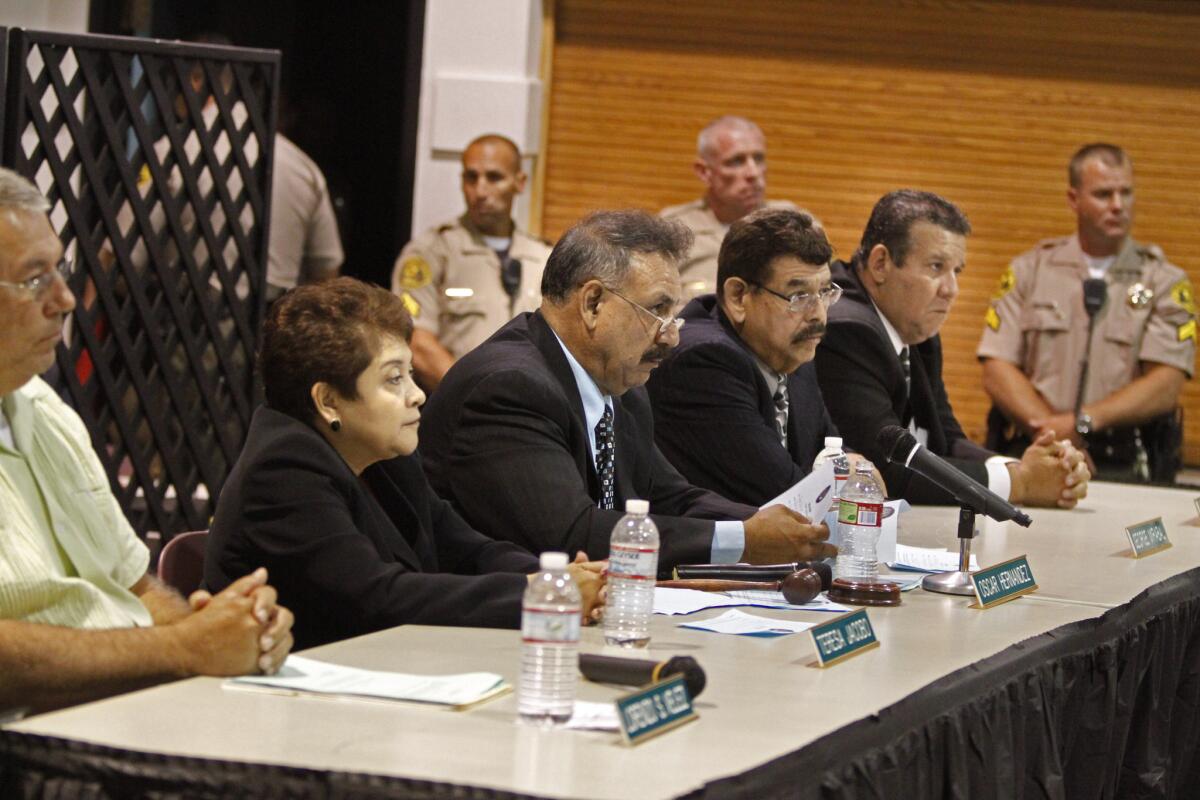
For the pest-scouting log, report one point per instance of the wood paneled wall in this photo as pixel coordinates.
(982, 101)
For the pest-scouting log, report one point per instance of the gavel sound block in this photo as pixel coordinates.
(798, 588)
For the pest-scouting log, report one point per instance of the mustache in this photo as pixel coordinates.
(656, 353)
(810, 332)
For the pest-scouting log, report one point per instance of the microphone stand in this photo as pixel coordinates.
(958, 582)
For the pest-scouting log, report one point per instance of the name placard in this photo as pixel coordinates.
(1003, 582)
(843, 637)
(655, 709)
(1148, 537)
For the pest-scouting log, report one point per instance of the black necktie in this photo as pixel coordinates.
(781, 410)
(906, 368)
(606, 451)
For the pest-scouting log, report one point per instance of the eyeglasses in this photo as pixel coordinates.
(37, 286)
(665, 324)
(803, 301)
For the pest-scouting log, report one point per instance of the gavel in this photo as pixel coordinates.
(798, 588)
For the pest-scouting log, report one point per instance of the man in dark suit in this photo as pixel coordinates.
(881, 359)
(540, 434)
(737, 407)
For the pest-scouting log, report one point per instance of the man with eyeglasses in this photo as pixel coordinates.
(742, 383)
(541, 434)
(80, 618)
(880, 362)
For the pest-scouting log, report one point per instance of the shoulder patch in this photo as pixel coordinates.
(1007, 281)
(1186, 331)
(992, 318)
(1182, 294)
(415, 273)
(413, 307)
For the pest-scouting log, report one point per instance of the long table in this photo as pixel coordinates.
(1050, 695)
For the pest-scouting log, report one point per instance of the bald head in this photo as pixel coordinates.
(707, 141)
(731, 160)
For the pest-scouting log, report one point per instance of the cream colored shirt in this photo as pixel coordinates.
(67, 554)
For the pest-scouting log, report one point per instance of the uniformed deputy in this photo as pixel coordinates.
(461, 280)
(1035, 336)
(731, 160)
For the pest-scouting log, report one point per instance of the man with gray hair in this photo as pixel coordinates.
(80, 617)
(731, 162)
(541, 434)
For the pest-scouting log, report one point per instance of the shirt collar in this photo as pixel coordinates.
(6, 433)
(17, 409)
(594, 401)
(893, 334)
(773, 378)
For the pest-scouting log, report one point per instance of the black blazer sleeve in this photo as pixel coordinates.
(863, 389)
(514, 472)
(708, 423)
(335, 558)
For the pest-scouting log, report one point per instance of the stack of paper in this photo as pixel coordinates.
(927, 559)
(743, 624)
(305, 676)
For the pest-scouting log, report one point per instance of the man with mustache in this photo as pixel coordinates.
(742, 383)
(464, 278)
(1143, 349)
(880, 362)
(731, 162)
(80, 616)
(541, 434)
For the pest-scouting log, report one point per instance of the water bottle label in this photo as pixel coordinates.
(545, 626)
(854, 513)
(635, 563)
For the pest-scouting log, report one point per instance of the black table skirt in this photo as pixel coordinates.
(1104, 708)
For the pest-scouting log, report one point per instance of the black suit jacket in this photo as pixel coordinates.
(714, 415)
(504, 439)
(861, 376)
(348, 559)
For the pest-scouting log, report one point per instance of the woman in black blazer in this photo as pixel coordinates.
(329, 495)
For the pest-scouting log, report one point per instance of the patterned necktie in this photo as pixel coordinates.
(781, 410)
(606, 450)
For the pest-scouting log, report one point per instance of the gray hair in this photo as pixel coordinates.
(18, 193)
(600, 247)
(705, 142)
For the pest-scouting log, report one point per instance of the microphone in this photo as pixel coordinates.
(1095, 290)
(639, 672)
(902, 447)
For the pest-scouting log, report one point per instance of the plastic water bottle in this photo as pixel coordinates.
(841, 464)
(632, 571)
(550, 620)
(860, 517)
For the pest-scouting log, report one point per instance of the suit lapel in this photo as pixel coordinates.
(393, 523)
(544, 338)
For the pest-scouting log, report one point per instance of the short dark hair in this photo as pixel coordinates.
(601, 245)
(1110, 154)
(894, 215)
(330, 332)
(762, 236)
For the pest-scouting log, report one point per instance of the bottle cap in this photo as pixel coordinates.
(864, 466)
(833, 441)
(637, 506)
(553, 560)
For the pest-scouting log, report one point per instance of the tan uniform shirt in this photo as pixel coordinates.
(304, 232)
(698, 271)
(449, 278)
(1037, 320)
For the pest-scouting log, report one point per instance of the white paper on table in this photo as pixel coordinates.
(773, 599)
(928, 559)
(743, 624)
(305, 675)
(594, 717)
(812, 496)
(689, 601)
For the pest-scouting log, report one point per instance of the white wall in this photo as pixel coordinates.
(64, 16)
(478, 75)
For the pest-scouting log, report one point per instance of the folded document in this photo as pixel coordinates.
(305, 675)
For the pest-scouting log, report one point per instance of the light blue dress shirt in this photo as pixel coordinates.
(729, 536)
